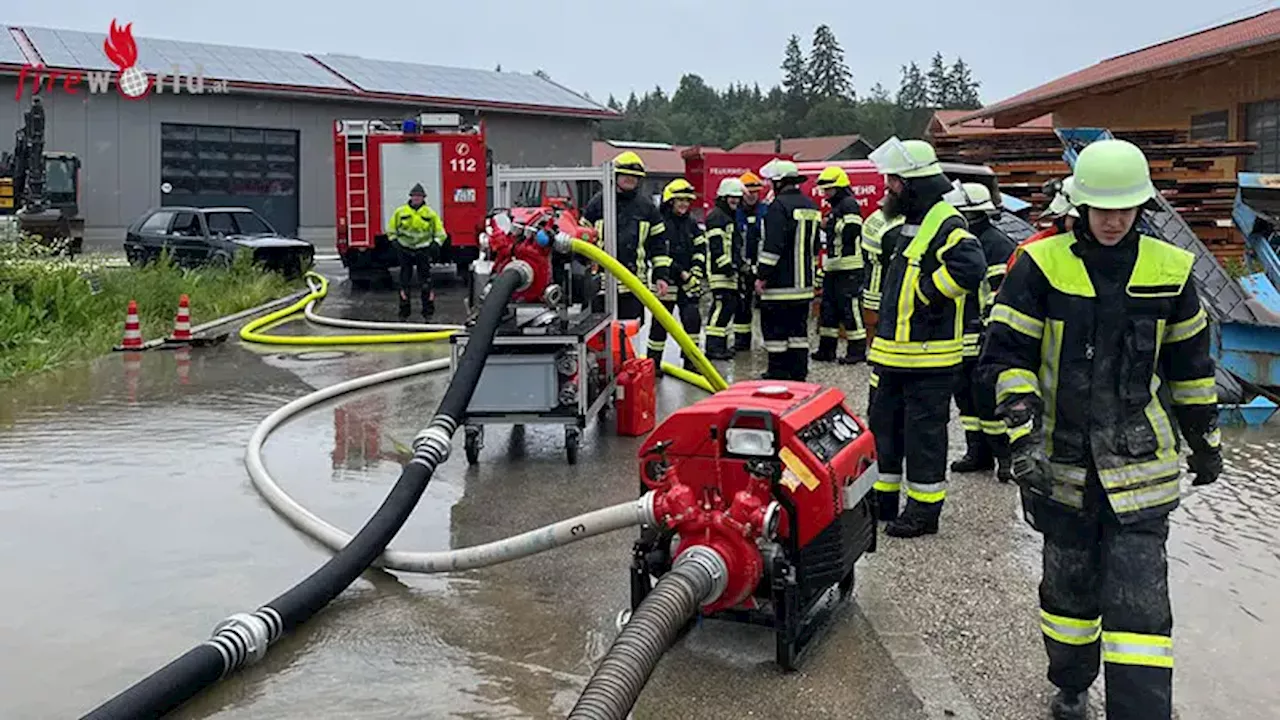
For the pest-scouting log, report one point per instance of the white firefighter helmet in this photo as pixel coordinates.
(1061, 205)
(731, 187)
(906, 158)
(970, 197)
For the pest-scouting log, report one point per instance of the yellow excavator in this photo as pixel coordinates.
(41, 190)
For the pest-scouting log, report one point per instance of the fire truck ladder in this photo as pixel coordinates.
(355, 150)
(1223, 298)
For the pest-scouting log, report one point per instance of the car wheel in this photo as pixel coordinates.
(220, 259)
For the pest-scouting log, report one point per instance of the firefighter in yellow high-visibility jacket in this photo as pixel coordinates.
(418, 235)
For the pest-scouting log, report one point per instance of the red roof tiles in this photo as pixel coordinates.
(815, 148)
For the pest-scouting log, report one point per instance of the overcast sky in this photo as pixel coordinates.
(607, 46)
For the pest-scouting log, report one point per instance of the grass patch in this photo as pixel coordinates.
(55, 311)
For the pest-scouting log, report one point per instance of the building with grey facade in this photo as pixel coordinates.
(224, 125)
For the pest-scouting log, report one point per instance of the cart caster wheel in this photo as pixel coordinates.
(474, 441)
(571, 436)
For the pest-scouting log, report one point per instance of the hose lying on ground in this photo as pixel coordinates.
(688, 376)
(312, 316)
(319, 284)
(243, 638)
(697, 578)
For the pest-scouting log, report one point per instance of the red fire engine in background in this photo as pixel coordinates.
(705, 169)
(377, 161)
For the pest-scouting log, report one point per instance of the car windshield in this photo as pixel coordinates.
(251, 224)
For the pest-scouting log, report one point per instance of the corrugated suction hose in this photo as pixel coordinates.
(696, 578)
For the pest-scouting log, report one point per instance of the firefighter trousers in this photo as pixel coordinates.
(983, 433)
(685, 308)
(842, 308)
(908, 416)
(629, 307)
(1104, 597)
(785, 326)
(724, 305)
(421, 259)
(742, 313)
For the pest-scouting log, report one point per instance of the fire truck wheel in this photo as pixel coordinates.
(571, 437)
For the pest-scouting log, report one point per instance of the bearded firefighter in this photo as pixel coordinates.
(843, 272)
(1098, 348)
(936, 270)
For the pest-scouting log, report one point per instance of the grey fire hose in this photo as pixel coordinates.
(698, 577)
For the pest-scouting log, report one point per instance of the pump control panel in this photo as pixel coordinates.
(831, 433)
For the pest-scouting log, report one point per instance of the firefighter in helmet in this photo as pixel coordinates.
(843, 272)
(418, 235)
(641, 247)
(1064, 218)
(984, 435)
(785, 281)
(724, 262)
(1098, 349)
(935, 271)
(687, 255)
(750, 221)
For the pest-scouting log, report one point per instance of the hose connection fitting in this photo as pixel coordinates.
(526, 273)
(710, 562)
(563, 243)
(242, 639)
(431, 447)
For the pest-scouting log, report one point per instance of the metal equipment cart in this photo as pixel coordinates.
(541, 369)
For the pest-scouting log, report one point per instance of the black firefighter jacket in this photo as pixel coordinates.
(935, 271)
(1115, 344)
(789, 246)
(642, 248)
(997, 247)
(724, 248)
(687, 248)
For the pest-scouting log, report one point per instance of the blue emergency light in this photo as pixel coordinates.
(409, 126)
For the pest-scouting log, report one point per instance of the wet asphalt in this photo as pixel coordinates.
(129, 528)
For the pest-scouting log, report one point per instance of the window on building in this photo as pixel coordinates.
(1210, 127)
(1262, 125)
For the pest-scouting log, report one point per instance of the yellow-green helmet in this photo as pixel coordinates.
(833, 177)
(678, 189)
(1111, 175)
(906, 158)
(629, 163)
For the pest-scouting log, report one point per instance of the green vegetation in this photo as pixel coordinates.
(816, 97)
(55, 311)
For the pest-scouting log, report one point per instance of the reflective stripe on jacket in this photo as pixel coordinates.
(878, 243)
(844, 232)
(789, 246)
(724, 250)
(996, 247)
(1113, 346)
(641, 241)
(926, 287)
(415, 228)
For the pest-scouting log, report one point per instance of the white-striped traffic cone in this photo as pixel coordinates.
(132, 329)
(182, 323)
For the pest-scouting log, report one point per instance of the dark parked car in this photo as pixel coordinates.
(212, 236)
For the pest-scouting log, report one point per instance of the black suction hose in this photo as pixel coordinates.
(697, 578)
(242, 639)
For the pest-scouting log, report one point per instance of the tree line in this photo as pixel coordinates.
(816, 96)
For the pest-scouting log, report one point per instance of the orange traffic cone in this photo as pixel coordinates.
(182, 323)
(132, 329)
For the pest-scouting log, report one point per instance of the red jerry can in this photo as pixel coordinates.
(637, 405)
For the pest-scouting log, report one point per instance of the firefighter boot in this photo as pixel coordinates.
(826, 350)
(855, 352)
(428, 305)
(718, 348)
(917, 519)
(404, 306)
(886, 505)
(1070, 705)
(977, 455)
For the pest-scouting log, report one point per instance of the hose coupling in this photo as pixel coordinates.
(563, 243)
(645, 509)
(433, 445)
(710, 562)
(526, 273)
(242, 639)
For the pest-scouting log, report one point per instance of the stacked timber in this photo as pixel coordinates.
(1189, 174)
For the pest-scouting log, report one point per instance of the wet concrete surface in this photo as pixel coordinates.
(130, 528)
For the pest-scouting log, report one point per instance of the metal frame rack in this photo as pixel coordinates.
(508, 393)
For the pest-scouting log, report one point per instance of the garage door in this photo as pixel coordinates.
(213, 166)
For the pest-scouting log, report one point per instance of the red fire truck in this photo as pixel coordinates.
(377, 161)
(705, 169)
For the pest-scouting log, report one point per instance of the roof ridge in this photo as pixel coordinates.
(1186, 36)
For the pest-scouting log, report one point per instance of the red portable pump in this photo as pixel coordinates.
(775, 479)
(527, 236)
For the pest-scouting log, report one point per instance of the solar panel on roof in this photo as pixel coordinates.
(70, 48)
(457, 83)
(10, 53)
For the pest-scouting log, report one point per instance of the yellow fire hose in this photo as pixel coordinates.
(688, 376)
(710, 380)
